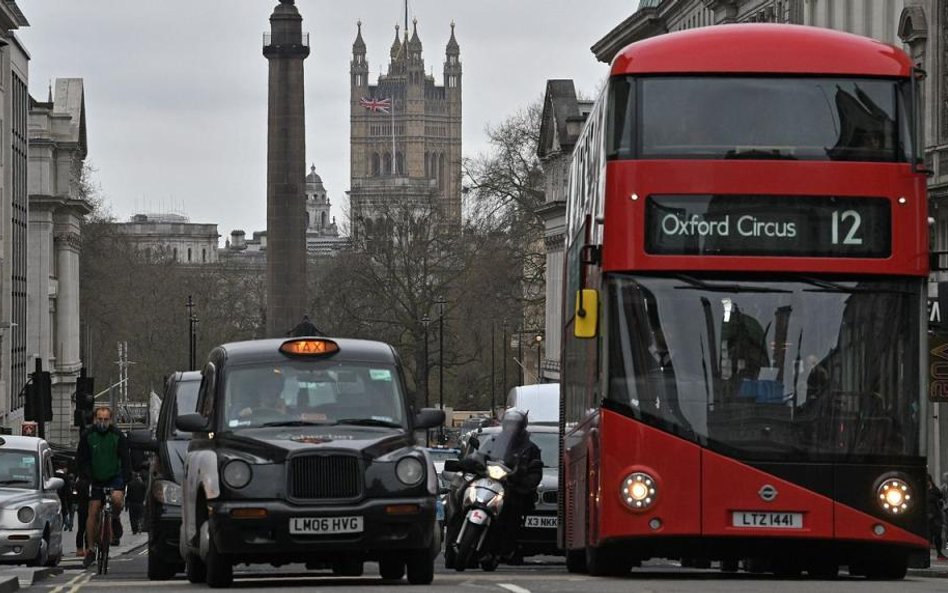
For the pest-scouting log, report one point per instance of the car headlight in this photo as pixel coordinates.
(410, 471)
(237, 473)
(895, 495)
(496, 472)
(166, 492)
(638, 491)
(26, 514)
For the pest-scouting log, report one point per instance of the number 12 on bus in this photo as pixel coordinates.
(747, 257)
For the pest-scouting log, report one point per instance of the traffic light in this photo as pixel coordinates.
(85, 399)
(38, 406)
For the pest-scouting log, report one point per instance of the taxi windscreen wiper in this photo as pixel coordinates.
(294, 423)
(8, 482)
(368, 422)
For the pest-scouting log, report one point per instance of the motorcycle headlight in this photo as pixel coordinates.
(26, 515)
(237, 473)
(895, 495)
(496, 472)
(410, 471)
(166, 492)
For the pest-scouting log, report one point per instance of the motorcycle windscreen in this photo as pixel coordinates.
(503, 445)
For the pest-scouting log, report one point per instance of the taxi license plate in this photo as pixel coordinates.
(325, 525)
(540, 522)
(767, 519)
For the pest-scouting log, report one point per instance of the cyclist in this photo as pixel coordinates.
(104, 458)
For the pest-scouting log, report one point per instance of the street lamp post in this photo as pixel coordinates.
(192, 354)
(441, 303)
(493, 379)
(520, 352)
(539, 343)
(424, 367)
(504, 346)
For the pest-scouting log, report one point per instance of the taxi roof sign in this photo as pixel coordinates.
(309, 347)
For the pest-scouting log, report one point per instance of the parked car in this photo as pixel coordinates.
(303, 451)
(163, 502)
(541, 402)
(31, 521)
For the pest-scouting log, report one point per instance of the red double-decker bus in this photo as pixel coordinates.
(746, 269)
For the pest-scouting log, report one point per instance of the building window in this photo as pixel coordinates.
(189, 255)
(175, 254)
(376, 164)
(204, 255)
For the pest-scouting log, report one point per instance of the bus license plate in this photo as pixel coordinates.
(540, 522)
(325, 525)
(769, 520)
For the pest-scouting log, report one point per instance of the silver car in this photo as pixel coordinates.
(31, 521)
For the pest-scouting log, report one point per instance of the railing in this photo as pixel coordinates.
(281, 40)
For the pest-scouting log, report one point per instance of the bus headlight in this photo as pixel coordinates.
(639, 491)
(895, 495)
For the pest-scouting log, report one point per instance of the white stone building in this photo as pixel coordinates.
(14, 209)
(57, 134)
(172, 236)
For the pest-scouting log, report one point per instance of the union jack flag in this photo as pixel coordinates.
(382, 105)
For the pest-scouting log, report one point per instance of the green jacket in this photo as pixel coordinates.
(103, 456)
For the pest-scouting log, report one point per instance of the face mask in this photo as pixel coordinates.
(101, 426)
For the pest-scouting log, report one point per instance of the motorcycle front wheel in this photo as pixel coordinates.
(467, 547)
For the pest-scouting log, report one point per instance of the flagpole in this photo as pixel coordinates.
(394, 160)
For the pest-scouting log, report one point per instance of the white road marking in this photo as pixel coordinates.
(69, 583)
(513, 588)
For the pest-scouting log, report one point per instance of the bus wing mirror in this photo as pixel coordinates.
(586, 321)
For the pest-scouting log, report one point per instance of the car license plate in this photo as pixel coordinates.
(767, 519)
(540, 521)
(325, 525)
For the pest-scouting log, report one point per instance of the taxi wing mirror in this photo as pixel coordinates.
(429, 418)
(586, 321)
(191, 423)
(53, 484)
(142, 439)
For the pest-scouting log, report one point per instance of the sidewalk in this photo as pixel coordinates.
(938, 569)
(13, 578)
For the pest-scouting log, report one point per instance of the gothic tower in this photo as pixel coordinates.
(285, 47)
(405, 132)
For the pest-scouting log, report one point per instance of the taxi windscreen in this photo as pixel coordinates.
(301, 393)
(18, 469)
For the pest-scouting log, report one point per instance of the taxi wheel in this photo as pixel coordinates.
(195, 569)
(392, 569)
(220, 570)
(420, 568)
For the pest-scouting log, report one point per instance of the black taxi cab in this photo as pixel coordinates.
(302, 451)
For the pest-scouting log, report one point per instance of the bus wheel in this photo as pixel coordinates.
(730, 566)
(822, 569)
(887, 569)
(602, 562)
(576, 561)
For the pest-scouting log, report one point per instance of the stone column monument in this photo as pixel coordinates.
(285, 47)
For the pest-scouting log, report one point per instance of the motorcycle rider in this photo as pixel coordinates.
(512, 446)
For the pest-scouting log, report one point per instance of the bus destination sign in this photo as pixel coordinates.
(772, 226)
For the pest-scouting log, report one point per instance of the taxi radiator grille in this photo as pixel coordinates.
(325, 477)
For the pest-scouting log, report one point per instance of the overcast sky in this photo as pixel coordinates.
(176, 90)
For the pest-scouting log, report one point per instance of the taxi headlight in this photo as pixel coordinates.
(26, 515)
(410, 471)
(496, 472)
(895, 495)
(638, 491)
(237, 473)
(166, 492)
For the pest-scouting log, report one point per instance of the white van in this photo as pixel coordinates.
(542, 401)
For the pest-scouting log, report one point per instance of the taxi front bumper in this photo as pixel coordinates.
(388, 526)
(19, 545)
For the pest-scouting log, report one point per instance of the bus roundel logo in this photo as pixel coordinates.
(768, 493)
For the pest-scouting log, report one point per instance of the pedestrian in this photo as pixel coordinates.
(65, 499)
(936, 518)
(136, 501)
(304, 328)
(80, 495)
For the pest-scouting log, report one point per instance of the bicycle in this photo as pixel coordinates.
(105, 532)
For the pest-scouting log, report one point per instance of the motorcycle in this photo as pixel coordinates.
(477, 503)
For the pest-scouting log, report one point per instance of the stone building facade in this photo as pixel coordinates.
(409, 152)
(14, 213)
(57, 134)
(560, 125)
(172, 236)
